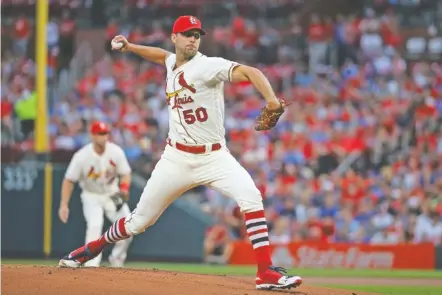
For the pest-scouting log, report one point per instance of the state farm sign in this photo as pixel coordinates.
(348, 258)
(312, 255)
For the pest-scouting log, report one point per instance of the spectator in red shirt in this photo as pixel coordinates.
(317, 43)
(329, 27)
(6, 108)
(353, 195)
(7, 124)
(217, 245)
(21, 33)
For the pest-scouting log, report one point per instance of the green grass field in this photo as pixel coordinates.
(247, 270)
(394, 290)
(305, 273)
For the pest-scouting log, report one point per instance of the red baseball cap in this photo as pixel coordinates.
(99, 127)
(187, 22)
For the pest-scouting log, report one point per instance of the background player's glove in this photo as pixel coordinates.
(118, 200)
(268, 118)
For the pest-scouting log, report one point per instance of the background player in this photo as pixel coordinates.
(96, 167)
(196, 153)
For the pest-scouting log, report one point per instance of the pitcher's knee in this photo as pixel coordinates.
(136, 224)
(251, 202)
(251, 207)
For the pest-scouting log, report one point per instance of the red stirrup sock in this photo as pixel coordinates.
(258, 233)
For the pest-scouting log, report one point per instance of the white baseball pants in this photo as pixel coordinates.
(178, 171)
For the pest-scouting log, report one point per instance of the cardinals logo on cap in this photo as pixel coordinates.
(193, 20)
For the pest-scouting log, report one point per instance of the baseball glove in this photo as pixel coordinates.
(118, 200)
(268, 118)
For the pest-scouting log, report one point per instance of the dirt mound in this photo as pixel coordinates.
(26, 280)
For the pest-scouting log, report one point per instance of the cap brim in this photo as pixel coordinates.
(196, 28)
(100, 132)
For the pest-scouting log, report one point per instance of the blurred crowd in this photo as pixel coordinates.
(18, 49)
(356, 158)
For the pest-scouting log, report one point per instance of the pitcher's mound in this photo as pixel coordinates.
(27, 280)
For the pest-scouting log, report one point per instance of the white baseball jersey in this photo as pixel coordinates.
(98, 174)
(195, 94)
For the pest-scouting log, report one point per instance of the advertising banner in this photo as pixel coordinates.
(325, 255)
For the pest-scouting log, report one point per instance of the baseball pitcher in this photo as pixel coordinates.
(196, 152)
(97, 167)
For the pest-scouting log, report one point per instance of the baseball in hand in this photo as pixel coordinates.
(117, 45)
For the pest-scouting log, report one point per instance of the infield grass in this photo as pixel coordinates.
(392, 290)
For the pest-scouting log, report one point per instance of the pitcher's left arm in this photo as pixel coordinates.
(275, 107)
(242, 73)
(222, 70)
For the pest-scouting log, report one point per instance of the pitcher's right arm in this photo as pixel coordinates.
(152, 54)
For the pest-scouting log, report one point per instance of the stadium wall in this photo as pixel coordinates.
(177, 236)
(439, 257)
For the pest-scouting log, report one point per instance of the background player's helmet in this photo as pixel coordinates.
(99, 128)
